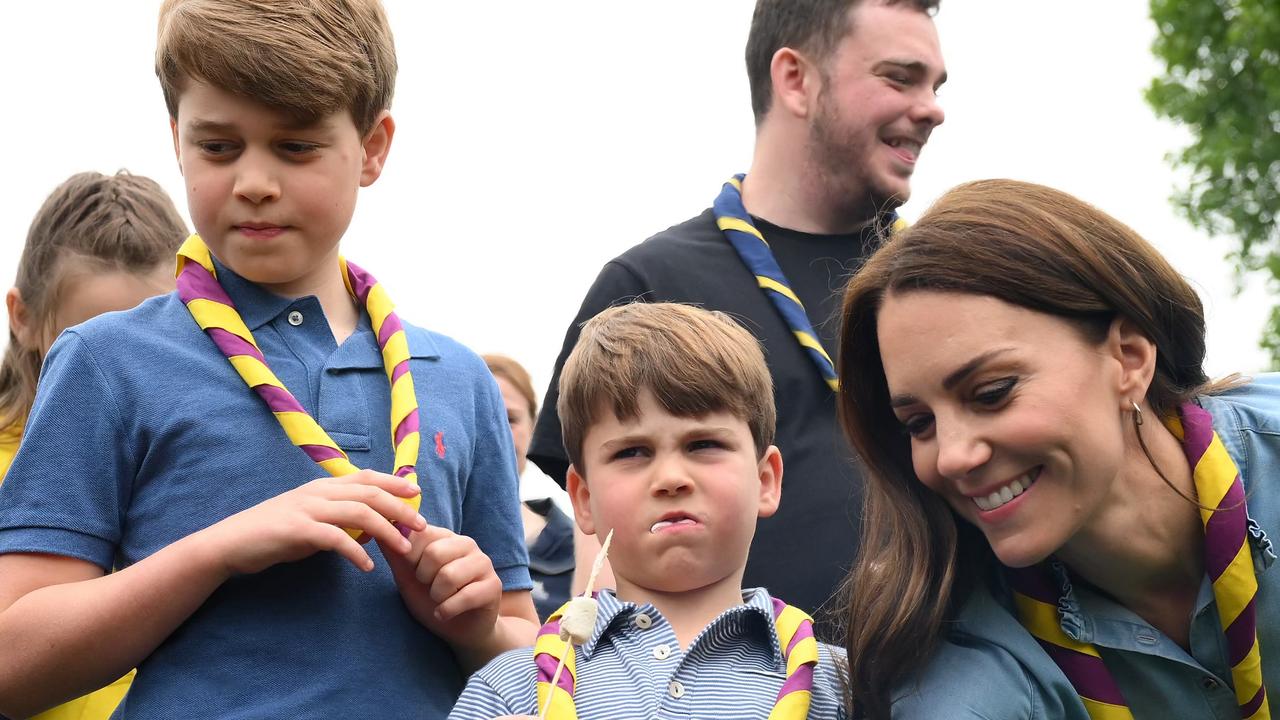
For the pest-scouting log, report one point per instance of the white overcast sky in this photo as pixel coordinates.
(536, 141)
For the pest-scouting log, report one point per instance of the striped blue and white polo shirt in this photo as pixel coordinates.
(633, 667)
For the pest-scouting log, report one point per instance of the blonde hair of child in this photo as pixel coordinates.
(119, 222)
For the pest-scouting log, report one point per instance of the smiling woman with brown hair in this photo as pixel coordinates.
(1052, 478)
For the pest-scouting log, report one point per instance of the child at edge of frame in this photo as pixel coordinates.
(232, 447)
(668, 417)
(99, 243)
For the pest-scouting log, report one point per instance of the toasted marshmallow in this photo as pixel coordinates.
(578, 620)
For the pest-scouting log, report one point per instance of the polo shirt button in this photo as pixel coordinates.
(675, 689)
(642, 621)
(1209, 683)
(295, 318)
(662, 652)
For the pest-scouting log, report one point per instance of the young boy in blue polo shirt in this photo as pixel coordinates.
(668, 417)
(180, 442)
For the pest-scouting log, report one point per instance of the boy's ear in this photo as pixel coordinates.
(19, 318)
(177, 153)
(580, 494)
(377, 144)
(770, 470)
(1135, 355)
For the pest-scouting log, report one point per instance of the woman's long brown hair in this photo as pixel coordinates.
(1027, 245)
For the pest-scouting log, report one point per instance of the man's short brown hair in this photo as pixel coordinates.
(306, 58)
(694, 361)
(815, 27)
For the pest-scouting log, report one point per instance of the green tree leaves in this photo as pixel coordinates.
(1222, 79)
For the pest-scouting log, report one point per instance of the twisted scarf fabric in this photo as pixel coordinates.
(795, 637)
(734, 221)
(1228, 562)
(216, 314)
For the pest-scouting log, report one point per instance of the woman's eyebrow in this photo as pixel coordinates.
(951, 381)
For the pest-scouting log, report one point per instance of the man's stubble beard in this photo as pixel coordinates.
(839, 169)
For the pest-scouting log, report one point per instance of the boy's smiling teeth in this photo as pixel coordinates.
(668, 523)
(1008, 492)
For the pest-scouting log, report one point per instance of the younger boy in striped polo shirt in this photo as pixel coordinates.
(668, 417)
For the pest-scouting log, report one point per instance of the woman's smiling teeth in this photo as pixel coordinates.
(1007, 493)
(661, 524)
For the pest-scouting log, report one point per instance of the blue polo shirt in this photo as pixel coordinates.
(142, 433)
(1157, 676)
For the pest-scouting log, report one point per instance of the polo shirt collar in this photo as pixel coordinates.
(361, 351)
(258, 306)
(756, 608)
(608, 609)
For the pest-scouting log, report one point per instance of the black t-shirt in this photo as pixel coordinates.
(802, 553)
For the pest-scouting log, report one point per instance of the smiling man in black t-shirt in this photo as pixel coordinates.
(844, 96)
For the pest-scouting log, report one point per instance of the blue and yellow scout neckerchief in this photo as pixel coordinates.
(736, 224)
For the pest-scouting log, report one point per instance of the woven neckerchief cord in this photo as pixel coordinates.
(216, 314)
(795, 638)
(1228, 563)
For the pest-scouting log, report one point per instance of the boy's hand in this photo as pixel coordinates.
(449, 585)
(299, 523)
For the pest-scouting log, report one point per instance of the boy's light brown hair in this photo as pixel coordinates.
(305, 58)
(694, 361)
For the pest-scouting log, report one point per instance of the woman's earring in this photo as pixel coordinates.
(1137, 413)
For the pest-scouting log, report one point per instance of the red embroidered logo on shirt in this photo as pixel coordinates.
(440, 444)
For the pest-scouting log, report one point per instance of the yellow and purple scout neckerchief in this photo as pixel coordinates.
(795, 637)
(734, 221)
(216, 314)
(1228, 562)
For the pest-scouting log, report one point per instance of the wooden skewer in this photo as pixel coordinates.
(591, 581)
(598, 564)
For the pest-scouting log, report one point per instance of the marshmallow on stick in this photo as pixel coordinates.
(579, 618)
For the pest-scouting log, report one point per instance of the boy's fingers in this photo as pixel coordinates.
(391, 483)
(385, 504)
(337, 540)
(422, 540)
(442, 547)
(432, 533)
(359, 516)
(459, 573)
(402, 566)
(474, 596)
(397, 511)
